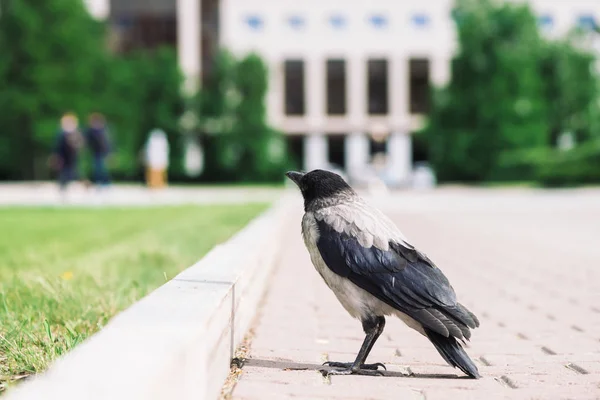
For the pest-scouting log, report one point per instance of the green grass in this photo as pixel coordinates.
(65, 272)
(510, 184)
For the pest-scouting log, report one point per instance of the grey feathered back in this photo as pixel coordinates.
(366, 223)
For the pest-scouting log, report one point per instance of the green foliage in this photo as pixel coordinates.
(51, 55)
(216, 103)
(217, 98)
(571, 88)
(550, 166)
(240, 146)
(522, 164)
(124, 112)
(144, 94)
(495, 99)
(580, 165)
(263, 150)
(510, 90)
(54, 60)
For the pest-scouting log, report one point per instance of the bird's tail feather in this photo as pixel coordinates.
(453, 353)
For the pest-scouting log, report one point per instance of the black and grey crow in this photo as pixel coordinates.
(374, 271)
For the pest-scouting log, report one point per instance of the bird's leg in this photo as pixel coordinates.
(373, 327)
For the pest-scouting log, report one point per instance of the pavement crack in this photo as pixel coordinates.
(485, 361)
(576, 328)
(522, 336)
(506, 381)
(577, 368)
(548, 351)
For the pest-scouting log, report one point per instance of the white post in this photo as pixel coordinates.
(315, 151)
(399, 81)
(357, 91)
(189, 23)
(275, 96)
(356, 146)
(315, 93)
(399, 159)
(99, 9)
(440, 71)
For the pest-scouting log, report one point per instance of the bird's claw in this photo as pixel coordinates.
(347, 369)
(334, 364)
(350, 371)
(376, 365)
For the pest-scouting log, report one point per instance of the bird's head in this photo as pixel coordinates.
(321, 188)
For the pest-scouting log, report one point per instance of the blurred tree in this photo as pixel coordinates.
(161, 103)
(51, 52)
(216, 103)
(54, 59)
(141, 92)
(570, 88)
(262, 150)
(495, 100)
(217, 98)
(239, 144)
(122, 106)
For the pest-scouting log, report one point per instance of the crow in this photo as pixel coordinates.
(375, 272)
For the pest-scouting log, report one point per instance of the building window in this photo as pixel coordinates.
(139, 25)
(296, 22)
(336, 87)
(294, 87)
(378, 21)
(420, 20)
(377, 71)
(255, 22)
(337, 21)
(377, 146)
(545, 21)
(336, 151)
(587, 22)
(419, 85)
(144, 31)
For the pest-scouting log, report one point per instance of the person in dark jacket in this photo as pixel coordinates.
(98, 143)
(66, 152)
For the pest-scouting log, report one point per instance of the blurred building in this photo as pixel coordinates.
(349, 79)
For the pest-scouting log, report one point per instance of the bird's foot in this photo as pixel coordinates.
(348, 369)
(349, 365)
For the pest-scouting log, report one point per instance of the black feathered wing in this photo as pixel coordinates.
(398, 275)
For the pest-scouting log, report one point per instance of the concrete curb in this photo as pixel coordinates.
(177, 342)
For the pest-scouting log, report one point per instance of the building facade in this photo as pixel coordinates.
(349, 80)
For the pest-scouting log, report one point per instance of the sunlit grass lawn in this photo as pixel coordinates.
(65, 272)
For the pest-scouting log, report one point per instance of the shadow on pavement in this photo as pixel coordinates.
(289, 365)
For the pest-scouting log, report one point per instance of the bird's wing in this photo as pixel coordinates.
(378, 260)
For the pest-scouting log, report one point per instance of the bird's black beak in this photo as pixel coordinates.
(295, 176)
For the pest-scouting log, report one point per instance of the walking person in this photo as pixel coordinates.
(68, 145)
(99, 145)
(157, 159)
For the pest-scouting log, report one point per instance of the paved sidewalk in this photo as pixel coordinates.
(531, 274)
(47, 194)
